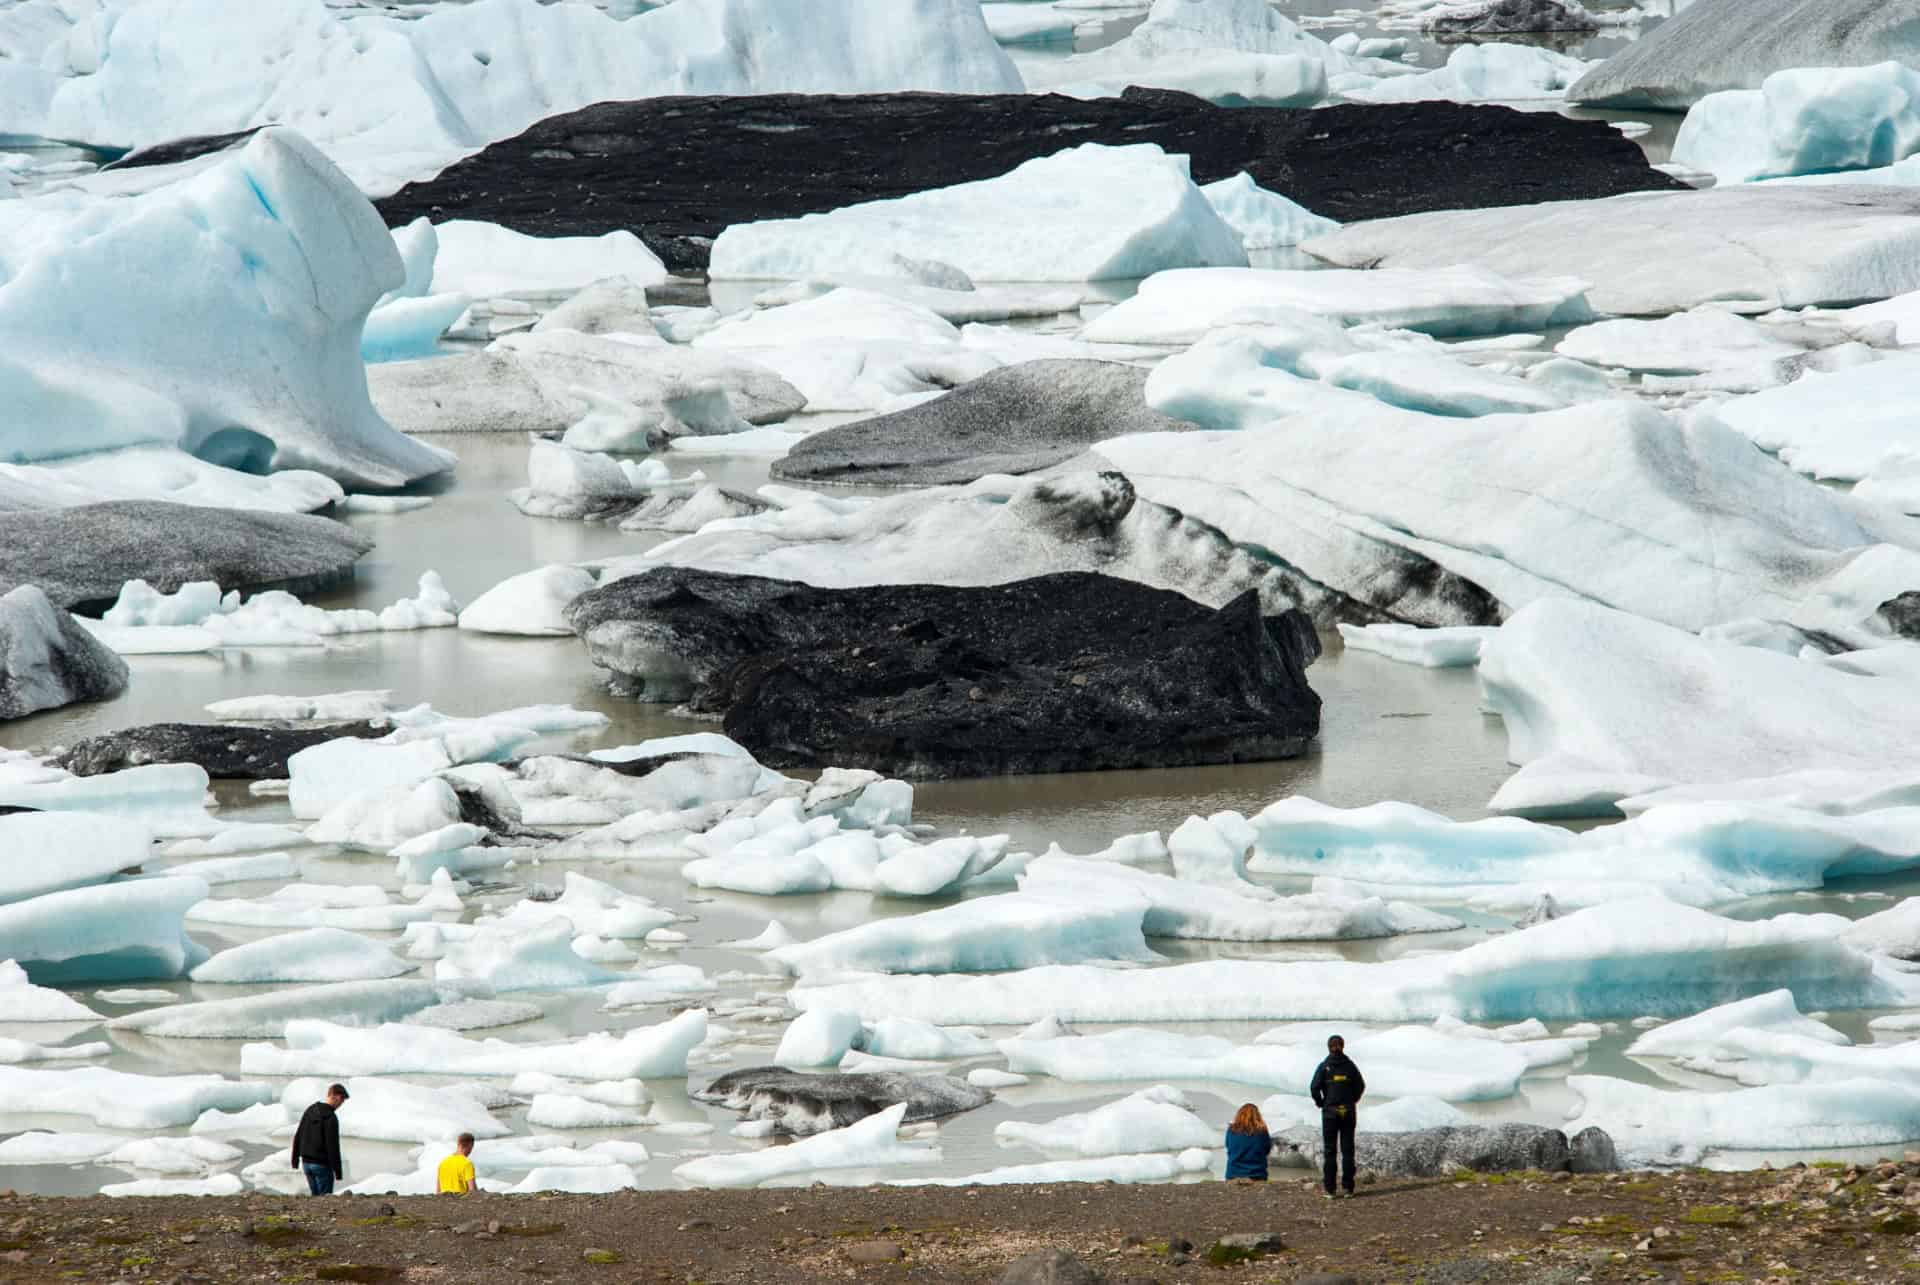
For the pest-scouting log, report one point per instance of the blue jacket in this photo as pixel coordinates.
(1247, 1154)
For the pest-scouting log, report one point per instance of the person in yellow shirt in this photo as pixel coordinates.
(456, 1171)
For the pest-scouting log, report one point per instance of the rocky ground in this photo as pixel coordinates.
(1816, 1224)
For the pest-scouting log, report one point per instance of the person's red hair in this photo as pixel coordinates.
(1248, 1120)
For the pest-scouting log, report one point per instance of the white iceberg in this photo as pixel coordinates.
(267, 1015)
(310, 955)
(1089, 213)
(324, 1048)
(532, 603)
(1262, 220)
(123, 1100)
(73, 850)
(107, 933)
(1804, 120)
(869, 1144)
(987, 934)
(1156, 1119)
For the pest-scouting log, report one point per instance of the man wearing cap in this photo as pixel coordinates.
(316, 1143)
(1336, 1088)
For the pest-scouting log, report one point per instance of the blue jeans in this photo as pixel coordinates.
(319, 1178)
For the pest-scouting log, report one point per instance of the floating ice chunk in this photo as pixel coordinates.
(40, 1147)
(580, 1180)
(1403, 1115)
(123, 1100)
(394, 1111)
(312, 955)
(137, 995)
(928, 870)
(1697, 341)
(820, 1037)
(993, 530)
(15, 1052)
(1804, 120)
(169, 799)
(71, 850)
(481, 260)
(1179, 306)
(596, 907)
(1262, 220)
(109, 933)
(992, 1077)
(243, 836)
(1029, 24)
(383, 818)
(1583, 691)
(510, 957)
(173, 1155)
(619, 1093)
(1478, 74)
(361, 706)
(1650, 1125)
(1233, 52)
(1699, 1035)
(1156, 1119)
(1610, 961)
(363, 908)
(774, 935)
(325, 776)
(270, 241)
(402, 330)
(323, 1048)
(1441, 648)
(868, 1144)
(220, 1184)
(267, 1015)
(1159, 1167)
(1698, 853)
(1839, 424)
(565, 1111)
(1647, 254)
(533, 603)
(22, 1001)
(1181, 908)
(254, 1122)
(1020, 930)
(1089, 213)
(901, 1037)
(661, 985)
(1406, 1060)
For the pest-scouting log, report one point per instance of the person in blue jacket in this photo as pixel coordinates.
(1337, 1087)
(1248, 1144)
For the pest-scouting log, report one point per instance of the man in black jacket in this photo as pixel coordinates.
(316, 1143)
(1336, 1088)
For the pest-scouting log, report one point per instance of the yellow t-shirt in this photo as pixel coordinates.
(456, 1173)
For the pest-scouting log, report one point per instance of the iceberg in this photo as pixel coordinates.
(395, 98)
(123, 1100)
(47, 659)
(1399, 514)
(532, 603)
(1701, 853)
(1804, 120)
(1623, 959)
(1587, 695)
(987, 934)
(1401, 1062)
(1700, 1034)
(1656, 1126)
(819, 1037)
(168, 799)
(992, 531)
(1262, 220)
(288, 255)
(1180, 305)
(1711, 45)
(73, 850)
(394, 1111)
(1179, 907)
(1089, 213)
(1232, 52)
(1158, 1167)
(311, 955)
(107, 933)
(481, 260)
(266, 1016)
(21, 1001)
(1843, 425)
(172, 1155)
(325, 1048)
(868, 1144)
(222, 1184)
(1751, 248)
(525, 955)
(1489, 73)
(1156, 1119)
(1444, 647)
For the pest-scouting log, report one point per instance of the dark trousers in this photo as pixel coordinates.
(320, 1178)
(1336, 1131)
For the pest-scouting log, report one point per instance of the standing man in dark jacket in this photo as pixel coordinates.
(316, 1143)
(1336, 1088)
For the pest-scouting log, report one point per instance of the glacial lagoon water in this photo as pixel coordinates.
(1390, 731)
